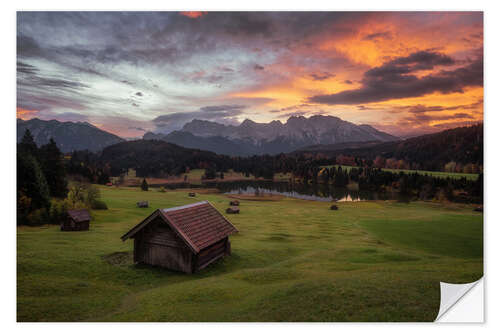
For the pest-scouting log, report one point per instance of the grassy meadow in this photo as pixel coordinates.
(292, 260)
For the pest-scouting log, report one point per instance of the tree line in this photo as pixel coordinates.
(151, 161)
(43, 194)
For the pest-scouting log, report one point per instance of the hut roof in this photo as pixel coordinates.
(79, 215)
(199, 224)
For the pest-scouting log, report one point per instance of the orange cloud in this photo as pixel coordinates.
(385, 36)
(25, 114)
(193, 15)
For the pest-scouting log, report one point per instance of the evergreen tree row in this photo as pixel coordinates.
(40, 175)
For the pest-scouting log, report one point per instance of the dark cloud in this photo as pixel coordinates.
(58, 83)
(348, 82)
(220, 113)
(396, 79)
(422, 60)
(214, 78)
(222, 108)
(138, 93)
(26, 68)
(158, 37)
(378, 35)
(247, 24)
(258, 67)
(30, 76)
(322, 76)
(420, 118)
(137, 128)
(292, 107)
(419, 108)
(28, 47)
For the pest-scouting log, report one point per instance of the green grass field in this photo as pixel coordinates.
(292, 260)
(440, 174)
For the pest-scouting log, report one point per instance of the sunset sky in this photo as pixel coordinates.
(405, 73)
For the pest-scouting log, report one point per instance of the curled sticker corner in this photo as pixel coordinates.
(451, 293)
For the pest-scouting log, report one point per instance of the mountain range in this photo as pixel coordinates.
(69, 136)
(275, 137)
(248, 138)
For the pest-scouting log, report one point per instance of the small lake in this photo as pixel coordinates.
(316, 192)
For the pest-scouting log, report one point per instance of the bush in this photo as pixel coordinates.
(38, 217)
(162, 189)
(93, 194)
(76, 194)
(23, 208)
(58, 211)
(98, 204)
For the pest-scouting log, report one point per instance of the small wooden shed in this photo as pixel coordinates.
(186, 238)
(232, 210)
(77, 220)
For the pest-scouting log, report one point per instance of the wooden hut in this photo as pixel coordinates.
(143, 204)
(186, 238)
(76, 220)
(233, 210)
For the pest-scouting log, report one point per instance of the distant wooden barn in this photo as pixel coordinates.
(186, 238)
(77, 220)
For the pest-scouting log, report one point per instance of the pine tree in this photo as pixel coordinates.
(210, 172)
(31, 181)
(28, 145)
(144, 185)
(51, 160)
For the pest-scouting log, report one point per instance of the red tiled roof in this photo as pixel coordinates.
(79, 215)
(199, 225)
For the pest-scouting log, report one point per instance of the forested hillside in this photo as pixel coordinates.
(157, 158)
(455, 149)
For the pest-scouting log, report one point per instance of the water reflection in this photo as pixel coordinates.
(317, 192)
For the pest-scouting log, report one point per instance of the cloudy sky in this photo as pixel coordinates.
(129, 72)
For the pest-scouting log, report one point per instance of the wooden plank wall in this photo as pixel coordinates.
(75, 226)
(211, 253)
(158, 245)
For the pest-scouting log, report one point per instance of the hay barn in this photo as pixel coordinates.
(186, 238)
(77, 220)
